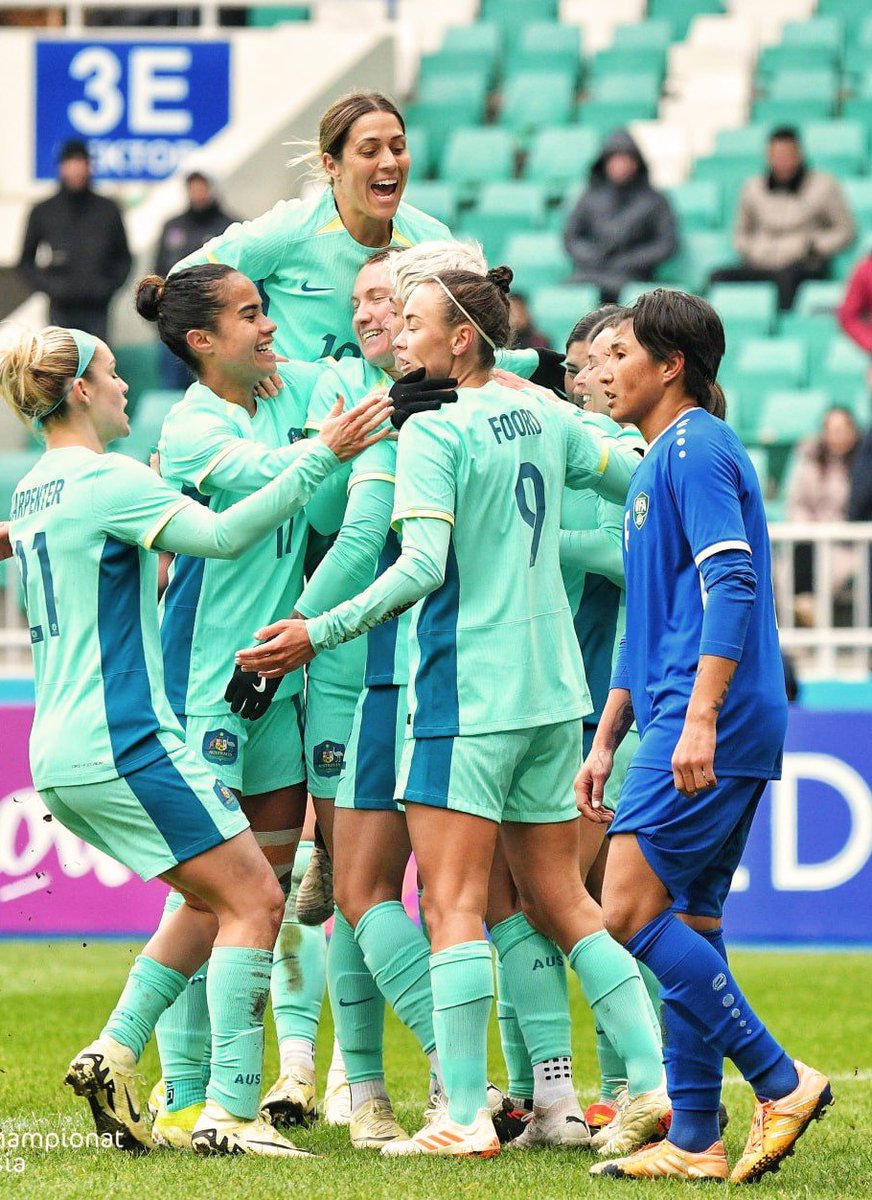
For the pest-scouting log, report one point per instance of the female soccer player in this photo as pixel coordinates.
(700, 671)
(493, 730)
(306, 253)
(107, 754)
(222, 442)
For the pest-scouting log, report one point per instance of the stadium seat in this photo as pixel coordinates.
(788, 416)
(816, 296)
(13, 465)
(474, 156)
(146, 424)
(546, 46)
(746, 309)
(537, 259)
(730, 172)
(561, 156)
(838, 146)
(604, 117)
(815, 330)
(536, 99)
(827, 30)
(761, 365)
(556, 309)
(478, 46)
(697, 204)
(437, 197)
(774, 59)
(642, 88)
(680, 13)
(514, 13)
(858, 193)
(818, 83)
(139, 365)
(436, 122)
(455, 88)
(265, 15)
(631, 291)
(774, 112)
(845, 366)
(623, 61)
(748, 141)
(653, 32)
(699, 254)
(502, 209)
(418, 143)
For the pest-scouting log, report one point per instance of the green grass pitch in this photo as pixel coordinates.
(54, 997)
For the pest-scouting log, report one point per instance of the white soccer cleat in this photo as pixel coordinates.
(291, 1099)
(443, 1136)
(104, 1073)
(374, 1125)
(636, 1124)
(218, 1132)
(337, 1097)
(560, 1124)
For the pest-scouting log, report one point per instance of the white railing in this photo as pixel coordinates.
(830, 637)
(74, 10)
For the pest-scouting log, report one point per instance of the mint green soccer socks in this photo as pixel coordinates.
(237, 988)
(535, 978)
(151, 987)
(398, 957)
(183, 1036)
(462, 980)
(614, 990)
(518, 1065)
(358, 1005)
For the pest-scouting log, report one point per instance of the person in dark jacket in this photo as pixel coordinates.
(622, 227)
(75, 248)
(204, 218)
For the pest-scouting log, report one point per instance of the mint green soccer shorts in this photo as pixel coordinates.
(623, 758)
(252, 756)
(378, 735)
(154, 818)
(329, 716)
(521, 775)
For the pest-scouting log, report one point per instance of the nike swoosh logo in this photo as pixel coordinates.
(351, 1003)
(133, 1112)
(260, 686)
(305, 288)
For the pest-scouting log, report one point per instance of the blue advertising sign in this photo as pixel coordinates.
(806, 875)
(142, 107)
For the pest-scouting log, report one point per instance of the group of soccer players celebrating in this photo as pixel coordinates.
(510, 607)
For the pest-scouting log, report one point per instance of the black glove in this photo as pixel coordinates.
(550, 372)
(249, 694)
(413, 394)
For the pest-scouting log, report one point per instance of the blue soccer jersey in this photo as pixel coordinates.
(694, 495)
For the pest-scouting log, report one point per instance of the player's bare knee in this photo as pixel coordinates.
(619, 921)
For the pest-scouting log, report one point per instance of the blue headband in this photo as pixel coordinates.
(86, 345)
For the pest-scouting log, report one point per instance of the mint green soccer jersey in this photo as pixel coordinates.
(494, 647)
(352, 378)
(82, 525)
(306, 261)
(212, 607)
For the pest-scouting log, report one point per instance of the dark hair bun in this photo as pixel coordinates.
(149, 294)
(502, 277)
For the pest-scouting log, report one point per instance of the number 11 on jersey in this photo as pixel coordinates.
(51, 612)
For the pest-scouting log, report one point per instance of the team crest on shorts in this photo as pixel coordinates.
(224, 794)
(640, 509)
(328, 759)
(220, 746)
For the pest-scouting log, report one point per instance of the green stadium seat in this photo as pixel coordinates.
(845, 365)
(766, 364)
(653, 32)
(438, 122)
(557, 309)
(479, 45)
(474, 156)
(631, 291)
(418, 143)
(604, 117)
(787, 416)
(437, 197)
(858, 193)
(680, 13)
(817, 296)
(793, 57)
(502, 209)
(139, 365)
(537, 259)
(857, 60)
(820, 83)
(748, 141)
(730, 172)
(822, 30)
(561, 156)
(536, 99)
(698, 255)
(14, 465)
(263, 16)
(514, 13)
(773, 112)
(146, 424)
(465, 87)
(838, 146)
(618, 88)
(746, 309)
(698, 204)
(859, 108)
(617, 60)
(546, 46)
(848, 11)
(815, 330)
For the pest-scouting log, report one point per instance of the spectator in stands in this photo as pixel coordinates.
(790, 222)
(818, 490)
(622, 227)
(524, 334)
(204, 218)
(75, 248)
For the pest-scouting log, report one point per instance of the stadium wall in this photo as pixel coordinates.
(806, 876)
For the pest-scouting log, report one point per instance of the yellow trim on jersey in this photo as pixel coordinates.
(212, 464)
(333, 226)
(437, 514)
(371, 475)
(604, 460)
(401, 238)
(212, 257)
(183, 502)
